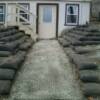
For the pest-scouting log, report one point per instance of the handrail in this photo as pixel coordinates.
(23, 8)
(19, 17)
(29, 27)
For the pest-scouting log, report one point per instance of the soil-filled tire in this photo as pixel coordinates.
(64, 42)
(5, 53)
(82, 62)
(13, 62)
(21, 40)
(91, 42)
(12, 37)
(7, 74)
(8, 33)
(5, 29)
(81, 51)
(12, 46)
(5, 86)
(26, 45)
(91, 89)
(8, 46)
(89, 76)
(90, 38)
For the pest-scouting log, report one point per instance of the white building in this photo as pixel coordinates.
(46, 17)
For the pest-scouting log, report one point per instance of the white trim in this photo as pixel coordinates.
(67, 14)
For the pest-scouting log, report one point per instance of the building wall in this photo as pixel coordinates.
(84, 12)
(95, 8)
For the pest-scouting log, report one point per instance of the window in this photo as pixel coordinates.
(47, 14)
(24, 13)
(72, 14)
(2, 13)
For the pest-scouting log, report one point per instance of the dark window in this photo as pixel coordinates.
(2, 13)
(72, 14)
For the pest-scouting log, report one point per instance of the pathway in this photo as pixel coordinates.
(46, 75)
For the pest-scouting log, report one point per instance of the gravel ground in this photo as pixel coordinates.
(46, 75)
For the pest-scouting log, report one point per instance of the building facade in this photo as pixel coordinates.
(47, 17)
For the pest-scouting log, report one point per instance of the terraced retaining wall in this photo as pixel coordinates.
(14, 45)
(82, 45)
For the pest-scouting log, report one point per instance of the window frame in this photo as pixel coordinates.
(3, 13)
(71, 24)
(28, 6)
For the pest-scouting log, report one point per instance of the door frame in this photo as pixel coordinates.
(57, 16)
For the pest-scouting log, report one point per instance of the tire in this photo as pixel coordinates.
(12, 37)
(82, 62)
(5, 86)
(91, 42)
(26, 45)
(7, 74)
(21, 40)
(12, 46)
(8, 46)
(5, 53)
(91, 89)
(89, 76)
(64, 42)
(81, 50)
(8, 33)
(90, 38)
(13, 62)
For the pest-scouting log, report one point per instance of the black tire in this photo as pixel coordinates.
(7, 74)
(13, 62)
(82, 62)
(81, 50)
(5, 86)
(64, 42)
(5, 53)
(26, 45)
(89, 76)
(21, 40)
(91, 42)
(8, 33)
(12, 46)
(8, 47)
(91, 89)
(12, 37)
(90, 38)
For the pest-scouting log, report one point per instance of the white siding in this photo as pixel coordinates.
(84, 11)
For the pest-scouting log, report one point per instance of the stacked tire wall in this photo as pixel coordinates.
(77, 43)
(14, 45)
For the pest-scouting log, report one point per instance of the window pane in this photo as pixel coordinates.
(1, 17)
(72, 14)
(72, 9)
(47, 14)
(1, 9)
(71, 19)
(26, 16)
